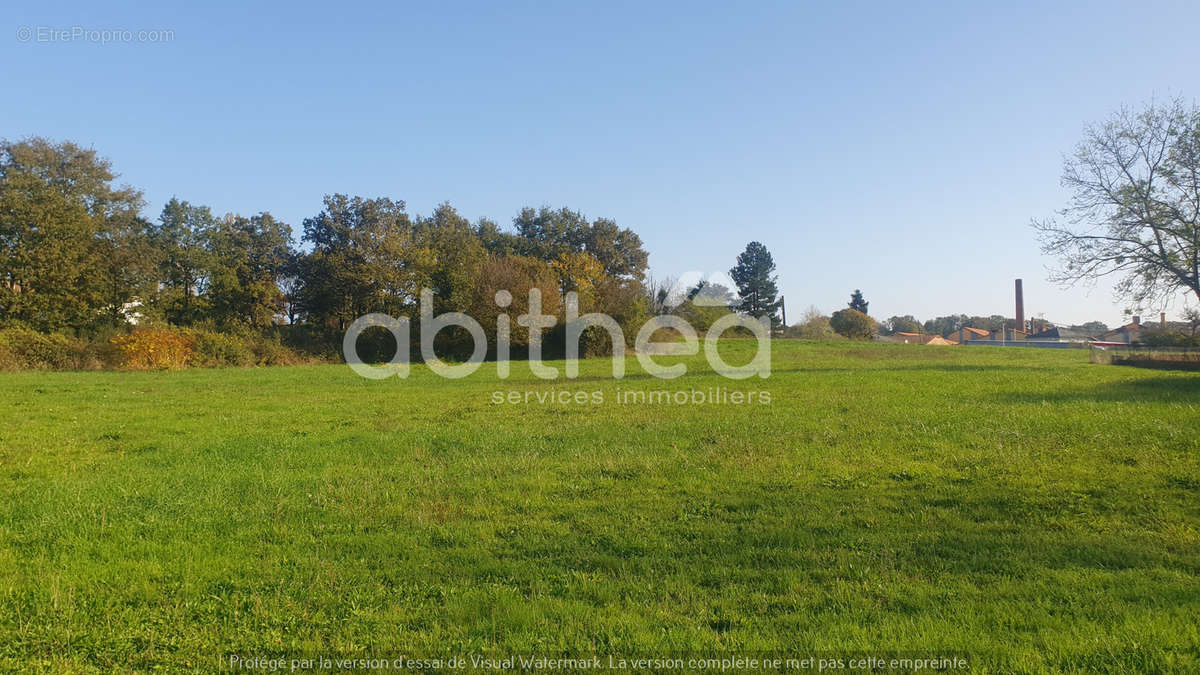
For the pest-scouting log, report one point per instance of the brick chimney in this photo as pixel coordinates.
(1137, 320)
(1020, 307)
(1162, 319)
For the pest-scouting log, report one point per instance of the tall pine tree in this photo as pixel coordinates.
(857, 302)
(758, 296)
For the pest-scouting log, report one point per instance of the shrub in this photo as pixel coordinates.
(213, 350)
(23, 348)
(815, 328)
(153, 349)
(307, 342)
(1158, 337)
(625, 303)
(272, 352)
(852, 324)
(701, 317)
(517, 275)
(147, 348)
(594, 341)
(1170, 360)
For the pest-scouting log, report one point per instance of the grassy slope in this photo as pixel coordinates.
(1023, 506)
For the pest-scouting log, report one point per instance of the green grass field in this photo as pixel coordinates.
(1023, 508)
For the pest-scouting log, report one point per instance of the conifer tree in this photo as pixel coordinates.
(757, 292)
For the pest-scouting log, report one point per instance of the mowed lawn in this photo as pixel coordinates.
(1024, 508)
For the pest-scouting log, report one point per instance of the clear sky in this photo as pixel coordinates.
(901, 148)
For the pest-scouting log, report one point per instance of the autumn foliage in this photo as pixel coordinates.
(154, 349)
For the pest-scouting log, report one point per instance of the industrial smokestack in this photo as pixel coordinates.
(1162, 319)
(1020, 307)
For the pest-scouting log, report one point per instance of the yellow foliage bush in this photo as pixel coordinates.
(154, 349)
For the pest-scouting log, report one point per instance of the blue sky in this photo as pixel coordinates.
(901, 148)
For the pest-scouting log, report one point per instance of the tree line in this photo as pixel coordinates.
(78, 257)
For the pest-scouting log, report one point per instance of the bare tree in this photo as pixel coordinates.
(1135, 205)
(813, 326)
(1191, 316)
(658, 294)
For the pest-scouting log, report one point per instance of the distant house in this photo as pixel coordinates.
(966, 334)
(914, 338)
(129, 311)
(1127, 334)
(1059, 334)
(935, 339)
(1007, 335)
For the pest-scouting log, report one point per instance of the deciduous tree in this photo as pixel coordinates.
(181, 236)
(249, 257)
(60, 215)
(1135, 205)
(900, 324)
(852, 324)
(363, 260)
